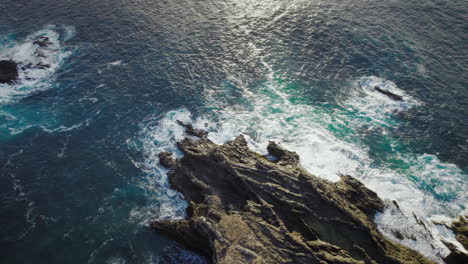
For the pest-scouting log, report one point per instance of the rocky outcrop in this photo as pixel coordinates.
(42, 42)
(8, 71)
(394, 96)
(245, 208)
(460, 228)
(43, 50)
(193, 131)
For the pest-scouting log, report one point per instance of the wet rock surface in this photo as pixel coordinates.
(42, 42)
(8, 71)
(393, 96)
(190, 130)
(245, 208)
(166, 159)
(460, 228)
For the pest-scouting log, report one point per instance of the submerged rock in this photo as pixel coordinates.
(245, 208)
(8, 71)
(42, 42)
(395, 97)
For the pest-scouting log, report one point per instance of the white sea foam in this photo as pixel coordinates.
(372, 108)
(63, 128)
(268, 114)
(116, 260)
(158, 135)
(271, 116)
(116, 63)
(23, 197)
(416, 232)
(20, 129)
(33, 79)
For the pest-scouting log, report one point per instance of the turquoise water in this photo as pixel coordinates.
(79, 177)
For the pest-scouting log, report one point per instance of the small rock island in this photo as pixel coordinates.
(8, 71)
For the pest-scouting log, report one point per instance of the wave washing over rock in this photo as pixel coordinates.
(38, 57)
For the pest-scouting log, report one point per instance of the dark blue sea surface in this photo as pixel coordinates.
(79, 176)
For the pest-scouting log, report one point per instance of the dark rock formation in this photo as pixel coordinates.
(460, 228)
(166, 159)
(8, 71)
(456, 256)
(43, 42)
(395, 97)
(193, 131)
(245, 208)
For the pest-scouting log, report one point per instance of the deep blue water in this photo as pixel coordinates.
(79, 179)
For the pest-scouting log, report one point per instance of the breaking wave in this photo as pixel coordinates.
(159, 134)
(37, 64)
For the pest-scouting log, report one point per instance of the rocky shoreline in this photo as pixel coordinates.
(245, 208)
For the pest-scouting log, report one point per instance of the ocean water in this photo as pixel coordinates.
(79, 175)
